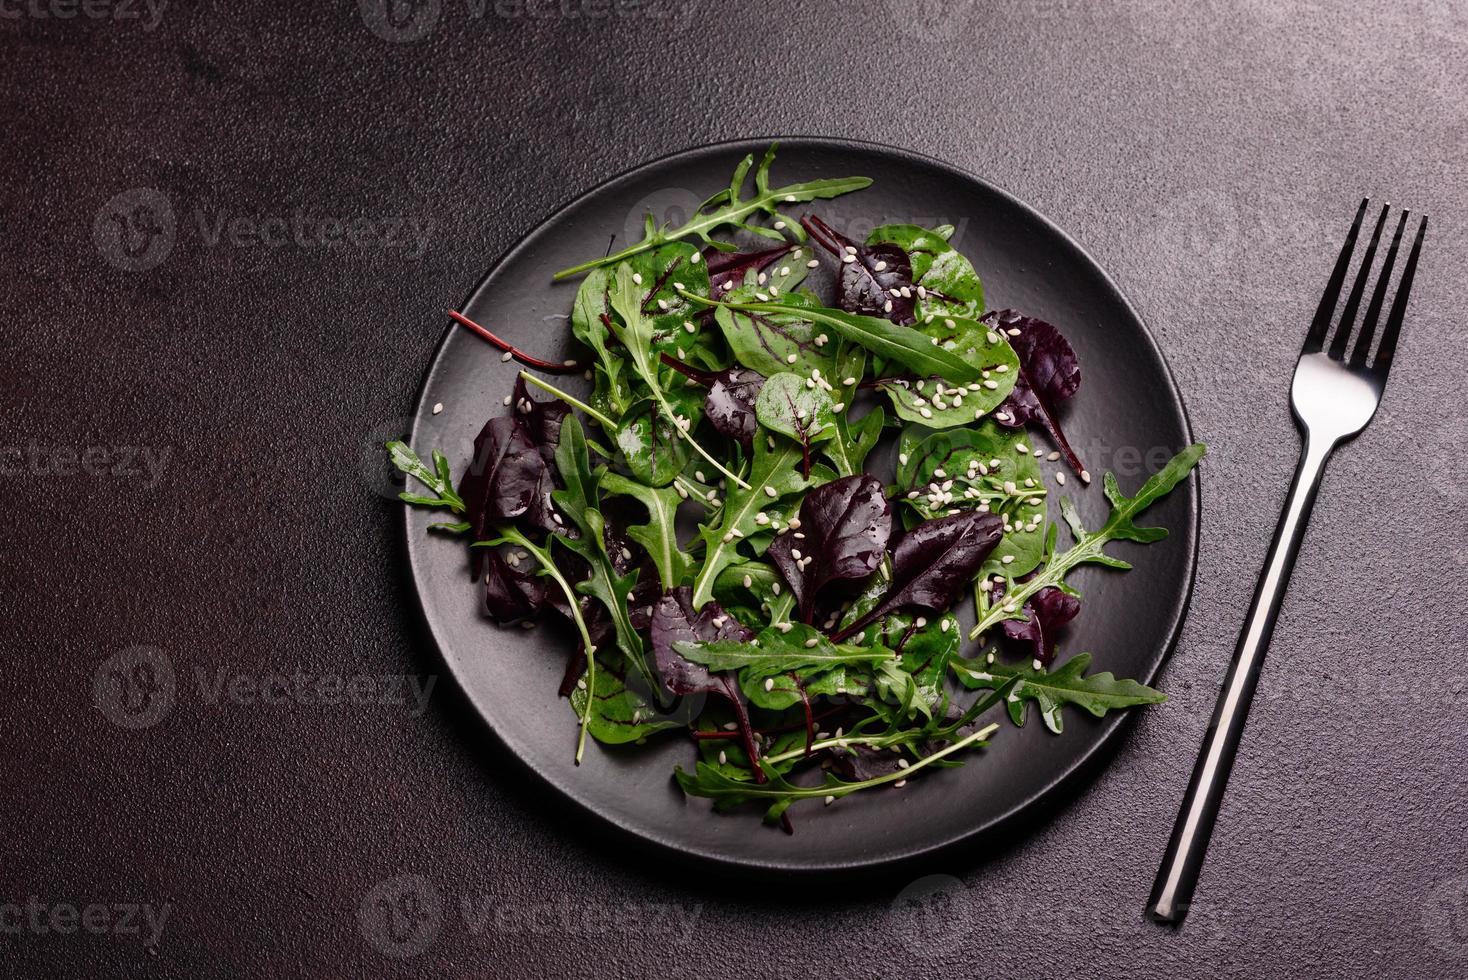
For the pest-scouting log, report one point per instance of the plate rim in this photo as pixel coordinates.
(1109, 726)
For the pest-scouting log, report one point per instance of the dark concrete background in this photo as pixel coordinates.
(1209, 154)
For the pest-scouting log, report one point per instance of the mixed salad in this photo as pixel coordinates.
(706, 523)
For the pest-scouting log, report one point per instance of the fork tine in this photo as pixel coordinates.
(1399, 305)
(1315, 339)
(1373, 309)
(1353, 301)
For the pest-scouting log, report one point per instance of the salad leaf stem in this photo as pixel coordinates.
(607, 424)
(512, 536)
(529, 360)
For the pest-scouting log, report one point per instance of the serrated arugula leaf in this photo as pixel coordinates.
(776, 651)
(438, 479)
(659, 536)
(730, 208)
(774, 475)
(1088, 548)
(1067, 684)
(777, 793)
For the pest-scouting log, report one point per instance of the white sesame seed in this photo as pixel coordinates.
(813, 263)
(762, 518)
(1036, 664)
(723, 758)
(507, 357)
(637, 278)
(795, 554)
(779, 226)
(920, 622)
(830, 800)
(1085, 476)
(791, 359)
(662, 304)
(902, 763)
(993, 337)
(881, 266)
(437, 407)
(887, 307)
(771, 492)
(899, 784)
(1013, 332)
(926, 413)
(1008, 559)
(848, 258)
(813, 641)
(728, 285)
(697, 258)
(769, 683)
(1060, 478)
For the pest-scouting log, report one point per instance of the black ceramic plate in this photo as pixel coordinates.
(1127, 417)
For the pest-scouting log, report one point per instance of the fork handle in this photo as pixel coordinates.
(1172, 893)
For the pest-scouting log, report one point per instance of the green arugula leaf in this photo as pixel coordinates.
(1098, 693)
(729, 208)
(1088, 546)
(579, 502)
(659, 535)
(776, 651)
(774, 474)
(635, 333)
(438, 479)
(778, 793)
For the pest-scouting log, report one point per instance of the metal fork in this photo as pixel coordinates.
(1332, 397)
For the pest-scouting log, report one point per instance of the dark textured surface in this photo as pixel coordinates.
(1208, 154)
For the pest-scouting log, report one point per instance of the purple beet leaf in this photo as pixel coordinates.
(934, 563)
(1048, 374)
(845, 526)
(1046, 612)
(877, 281)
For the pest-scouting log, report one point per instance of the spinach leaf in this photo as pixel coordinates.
(771, 342)
(949, 286)
(797, 408)
(986, 469)
(654, 450)
(618, 705)
(942, 404)
(1097, 693)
